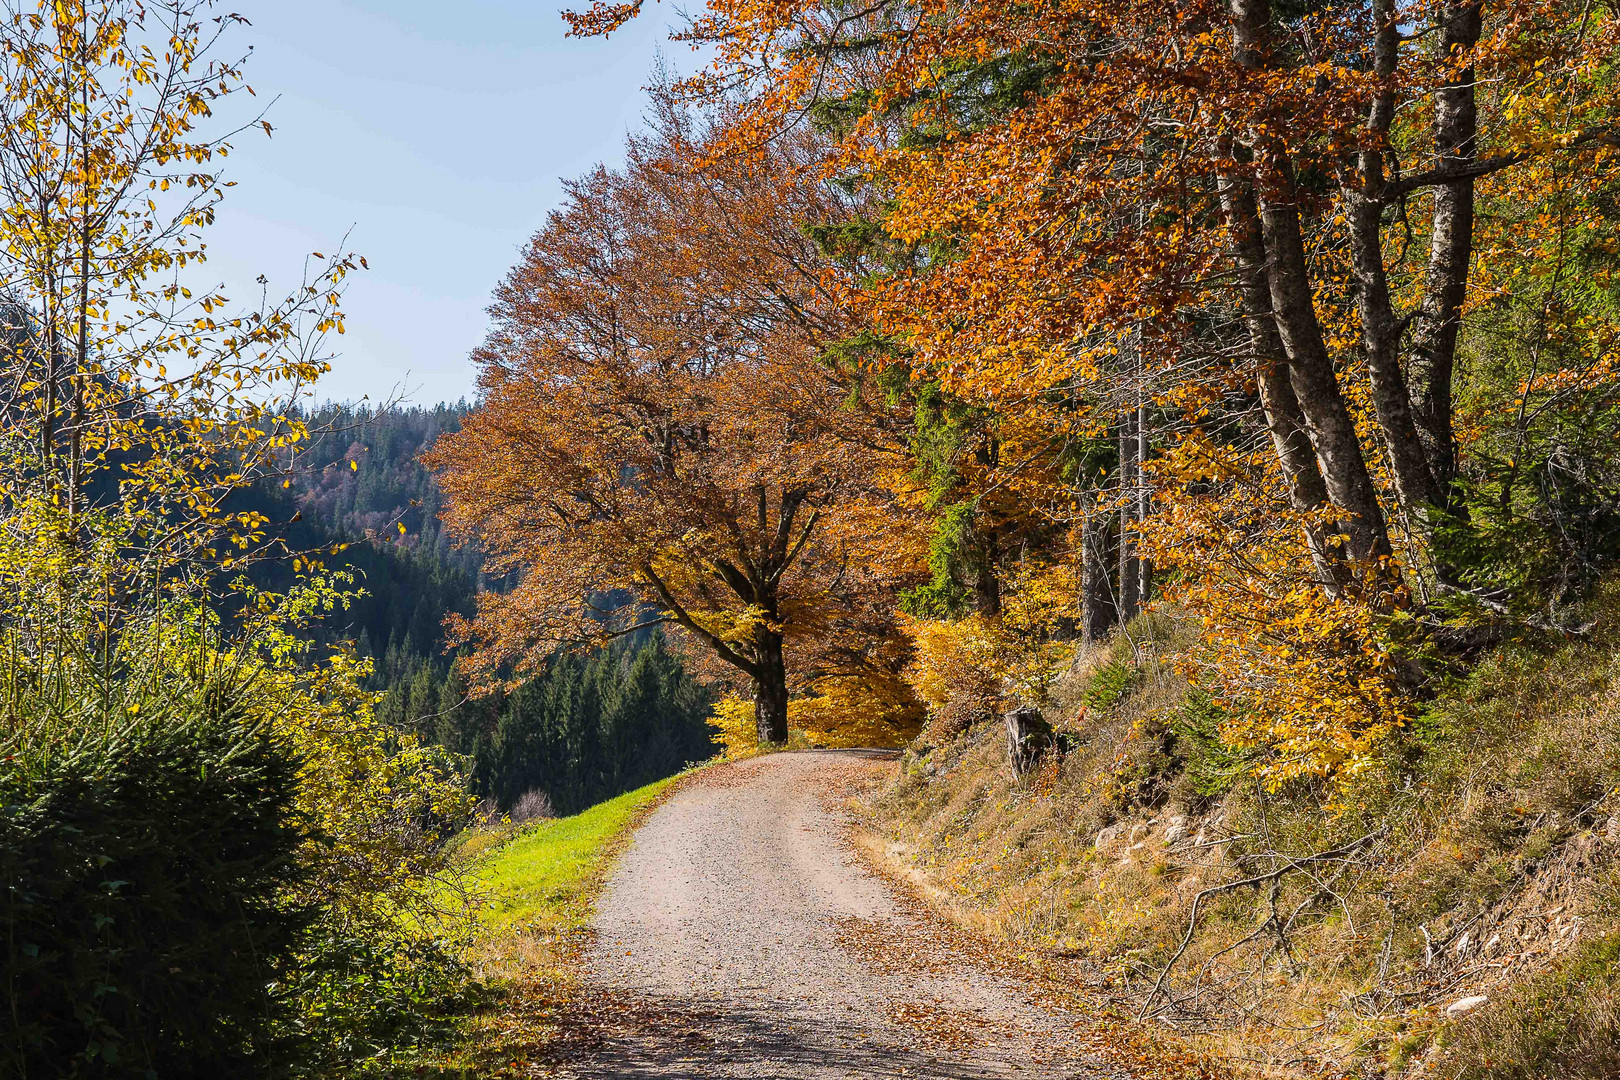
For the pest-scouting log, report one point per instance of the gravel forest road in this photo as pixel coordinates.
(740, 937)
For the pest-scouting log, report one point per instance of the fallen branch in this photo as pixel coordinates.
(1343, 851)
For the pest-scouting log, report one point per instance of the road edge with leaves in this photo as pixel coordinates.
(533, 967)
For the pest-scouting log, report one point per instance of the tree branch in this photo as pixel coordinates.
(739, 582)
(793, 552)
(1450, 174)
(791, 501)
(1340, 852)
(626, 631)
(684, 618)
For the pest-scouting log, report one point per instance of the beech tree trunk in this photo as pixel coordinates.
(986, 586)
(1307, 494)
(1144, 500)
(1310, 367)
(985, 545)
(1380, 329)
(1097, 614)
(771, 693)
(1434, 346)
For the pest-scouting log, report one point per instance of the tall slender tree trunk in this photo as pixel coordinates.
(1144, 498)
(1451, 246)
(1328, 423)
(986, 586)
(985, 544)
(1367, 195)
(1307, 494)
(1097, 614)
(1310, 369)
(1130, 570)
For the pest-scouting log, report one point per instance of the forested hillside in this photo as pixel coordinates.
(363, 477)
(580, 730)
(360, 482)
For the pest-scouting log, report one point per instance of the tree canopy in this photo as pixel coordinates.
(662, 439)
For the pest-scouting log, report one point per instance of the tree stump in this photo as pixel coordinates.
(1028, 737)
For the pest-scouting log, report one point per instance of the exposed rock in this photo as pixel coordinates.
(1176, 831)
(1467, 1004)
(1108, 836)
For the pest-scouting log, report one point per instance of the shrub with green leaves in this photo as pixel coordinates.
(198, 820)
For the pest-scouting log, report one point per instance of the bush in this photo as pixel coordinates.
(1211, 766)
(1109, 684)
(373, 1004)
(216, 860)
(143, 868)
(532, 806)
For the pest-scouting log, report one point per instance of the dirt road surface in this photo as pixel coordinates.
(741, 937)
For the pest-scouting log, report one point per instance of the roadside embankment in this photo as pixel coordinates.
(1451, 909)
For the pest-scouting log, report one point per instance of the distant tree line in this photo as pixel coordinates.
(583, 730)
(587, 729)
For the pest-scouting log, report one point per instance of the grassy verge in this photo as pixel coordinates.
(540, 884)
(547, 874)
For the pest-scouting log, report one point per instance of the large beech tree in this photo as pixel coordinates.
(1105, 178)
(659, 440)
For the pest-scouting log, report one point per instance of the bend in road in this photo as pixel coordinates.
(740, 937)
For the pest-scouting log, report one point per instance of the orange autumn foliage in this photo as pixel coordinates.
(659, 439)
(1254, 227)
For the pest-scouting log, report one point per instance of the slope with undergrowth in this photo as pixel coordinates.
(1452, 909)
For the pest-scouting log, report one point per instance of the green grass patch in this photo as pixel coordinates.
(547, 872)
(538, 884)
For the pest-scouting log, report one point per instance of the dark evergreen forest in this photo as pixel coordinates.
(591, 727)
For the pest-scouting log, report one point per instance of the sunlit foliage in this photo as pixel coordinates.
(1271, 249)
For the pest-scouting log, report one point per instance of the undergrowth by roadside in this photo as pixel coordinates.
(1450, 911)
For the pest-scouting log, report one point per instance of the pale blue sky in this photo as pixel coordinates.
(440, 132)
